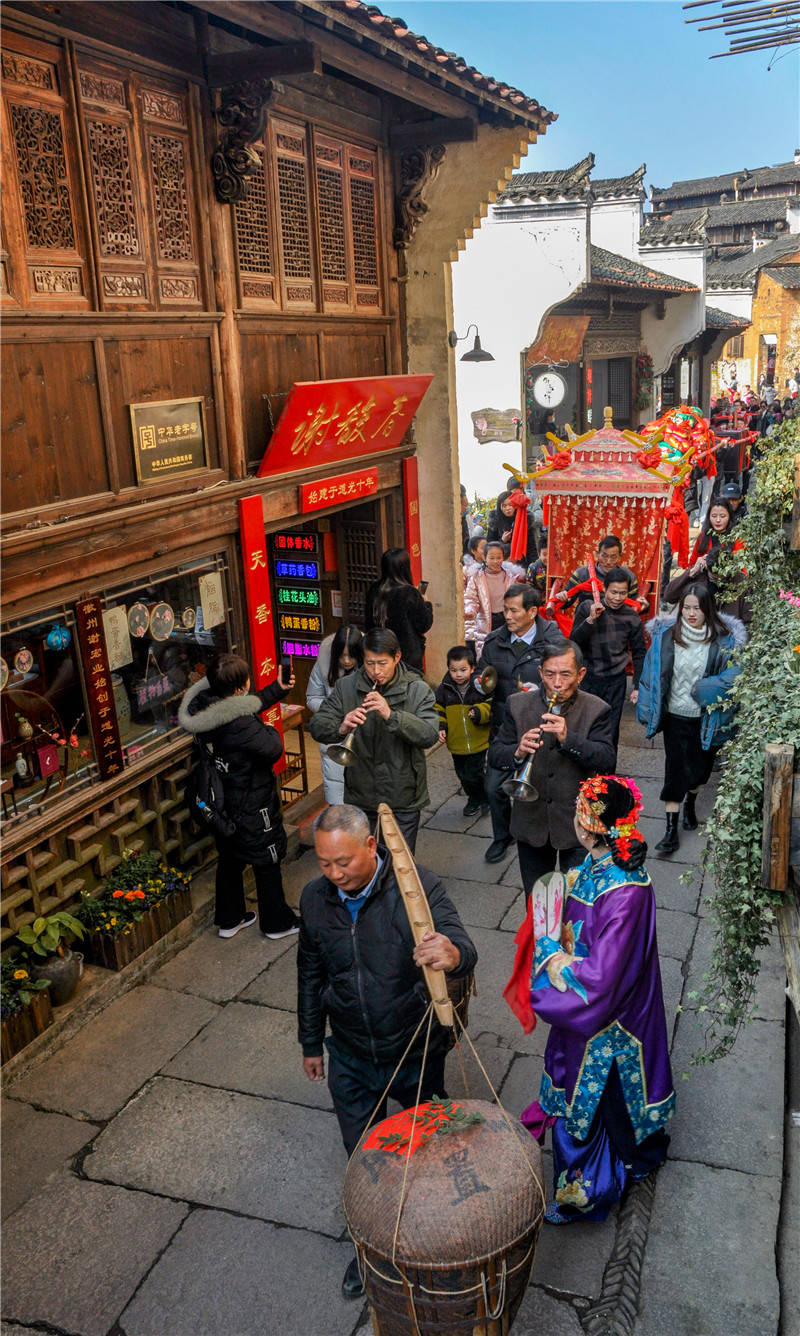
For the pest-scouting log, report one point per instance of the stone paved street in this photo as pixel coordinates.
(170, 1171)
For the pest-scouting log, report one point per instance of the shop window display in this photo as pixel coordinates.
(45, 737)
(160, 635)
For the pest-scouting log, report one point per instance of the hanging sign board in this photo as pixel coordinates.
(290, 596)
(288, 568)
(333, 491)
(411, 511)
(300, 649)
(305, 624)
(118, 638)
(259, 606)
(289, 541)
(169, 438)
(326, 421)
(102, 711)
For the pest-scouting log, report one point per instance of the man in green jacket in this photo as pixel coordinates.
(392, 715)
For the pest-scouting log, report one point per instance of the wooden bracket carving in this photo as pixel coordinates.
(242, 113)
(417, 168)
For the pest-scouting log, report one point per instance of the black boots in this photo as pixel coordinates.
(670, 841)
(689, 814)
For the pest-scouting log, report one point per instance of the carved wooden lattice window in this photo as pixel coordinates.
(45, 260)
(253, 224)
(330, 214)
(145, 220)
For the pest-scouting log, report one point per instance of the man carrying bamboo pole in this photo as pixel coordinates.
(359, 970)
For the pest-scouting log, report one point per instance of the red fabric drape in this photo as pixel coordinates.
(517, 991)
(577, 523)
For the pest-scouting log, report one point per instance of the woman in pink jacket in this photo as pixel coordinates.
(483, 600)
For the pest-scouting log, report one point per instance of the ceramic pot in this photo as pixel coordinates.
(63, 973)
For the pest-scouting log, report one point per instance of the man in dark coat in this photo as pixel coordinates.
(515, 651)
(222, 713)
(569, 744)
(392, 715)
(359, 970)
(609, 634)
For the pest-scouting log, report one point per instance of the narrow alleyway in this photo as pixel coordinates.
(171, 1172)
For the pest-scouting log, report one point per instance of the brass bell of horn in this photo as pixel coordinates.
(520, 785)
(342, 752)
(486, 681)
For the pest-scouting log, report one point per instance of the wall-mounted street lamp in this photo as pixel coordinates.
(477, 353)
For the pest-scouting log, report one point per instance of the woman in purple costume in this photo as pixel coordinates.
(607, 1089)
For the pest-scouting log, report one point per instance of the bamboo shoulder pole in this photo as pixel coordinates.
(416, 906)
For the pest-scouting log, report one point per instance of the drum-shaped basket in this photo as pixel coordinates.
(473, 1205)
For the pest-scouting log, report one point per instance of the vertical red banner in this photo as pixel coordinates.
(258, 597)
(99, 691)
(411, 510)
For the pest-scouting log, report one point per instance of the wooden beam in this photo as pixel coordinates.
(263, 63)
(442, 130)
(776, 834)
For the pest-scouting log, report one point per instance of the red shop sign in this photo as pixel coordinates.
(102, 711)
(333, 491)
(411, 512)
(326, 421)
(259, 606)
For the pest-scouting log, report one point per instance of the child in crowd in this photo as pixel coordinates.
(483, 598)
(473, 558)
(536, 573)
(464, 724)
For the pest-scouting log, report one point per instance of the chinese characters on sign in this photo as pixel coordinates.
(169, 438)
(300, 649)
(297, 570)
(212, 602)
(99, 690)
(411, 511)
(259, 605)
(310, 626)
(326, 421)
(333, 491)
(299, 598)
(288, 542)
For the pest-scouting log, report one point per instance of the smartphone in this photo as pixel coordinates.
(423, 587)
(286, 666)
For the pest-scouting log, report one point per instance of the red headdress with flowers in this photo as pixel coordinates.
(592, 805)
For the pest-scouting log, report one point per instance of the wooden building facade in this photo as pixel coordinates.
(203, 205)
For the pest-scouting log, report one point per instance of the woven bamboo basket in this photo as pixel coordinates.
(457, 1258)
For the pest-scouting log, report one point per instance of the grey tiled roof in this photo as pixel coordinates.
(788, 275)
(742, 271)
(616, 187)
(567, 182)
(743, 211)
(783, 173)
(618, 270)
(716, 319)
(444, 66)
(687, 226)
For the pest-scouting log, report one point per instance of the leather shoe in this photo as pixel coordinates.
(352, 1285)
(497, 850)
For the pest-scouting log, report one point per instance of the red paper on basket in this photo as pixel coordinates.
(416, 1125)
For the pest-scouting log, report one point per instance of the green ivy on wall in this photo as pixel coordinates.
(767, 693)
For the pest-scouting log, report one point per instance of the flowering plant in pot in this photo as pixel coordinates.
(45, 946)
(24, 1006)
(141, 901)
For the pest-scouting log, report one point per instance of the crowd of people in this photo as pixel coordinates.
(530, 708)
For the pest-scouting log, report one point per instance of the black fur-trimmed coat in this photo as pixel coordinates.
(244, 750)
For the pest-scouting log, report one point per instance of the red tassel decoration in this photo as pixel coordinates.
(519, 538)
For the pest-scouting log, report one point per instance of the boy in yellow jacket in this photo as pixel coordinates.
(463, 712)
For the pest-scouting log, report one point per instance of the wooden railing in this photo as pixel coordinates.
(780, 853)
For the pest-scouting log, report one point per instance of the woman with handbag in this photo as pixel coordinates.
(222, 713)
(606, 1091)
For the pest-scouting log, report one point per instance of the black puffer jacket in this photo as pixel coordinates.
(361, 976)
(408, 614)
(244, 750)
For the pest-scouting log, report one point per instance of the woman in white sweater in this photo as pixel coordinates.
(338, 655)
(686, 677)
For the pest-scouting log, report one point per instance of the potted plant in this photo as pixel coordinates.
(140, 903)
(24, 1007)
(45, 939)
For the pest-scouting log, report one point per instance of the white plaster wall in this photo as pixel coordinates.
(738, 301)
(615, 226)
(510, 274)
(687, 262)
(684, 318)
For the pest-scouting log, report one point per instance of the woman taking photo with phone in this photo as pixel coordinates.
(395, 604)
(338, 655)
(686, 676)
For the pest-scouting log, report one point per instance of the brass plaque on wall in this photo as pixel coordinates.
(169, 438)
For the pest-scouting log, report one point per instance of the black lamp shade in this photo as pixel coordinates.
(477, 354)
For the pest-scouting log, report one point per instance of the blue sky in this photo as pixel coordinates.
(630, 81)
